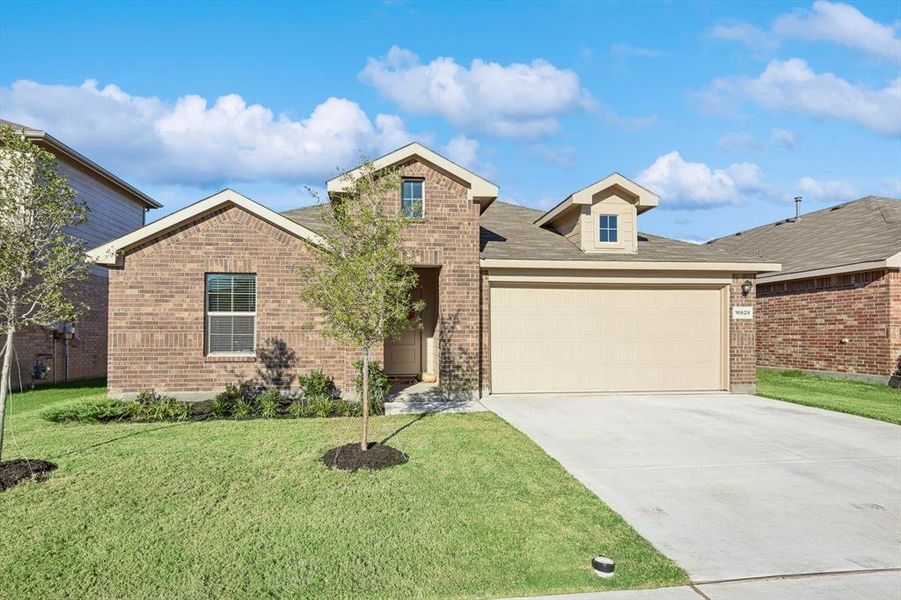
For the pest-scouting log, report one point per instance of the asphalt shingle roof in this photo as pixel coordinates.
(508, 231)
(863, 230)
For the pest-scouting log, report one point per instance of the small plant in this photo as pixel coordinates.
(226, 403)
(268, 404)
(316, 383)
(299, 410)
(151, 406)
(320, 406)
(244, 408)
(379, 385)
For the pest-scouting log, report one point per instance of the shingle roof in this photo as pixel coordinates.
(508, 231)
(864, 230)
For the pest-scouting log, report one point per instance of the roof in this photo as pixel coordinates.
(508, 233)
(110, 253)
(853, 236)
(480, 189)
(644, 198)
(42, 137)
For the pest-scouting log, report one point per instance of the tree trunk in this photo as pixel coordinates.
(4, 382)
(364, 440)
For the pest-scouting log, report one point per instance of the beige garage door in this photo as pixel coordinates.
(579, 339)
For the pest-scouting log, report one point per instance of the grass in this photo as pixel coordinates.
(853, 397)
(245, 509)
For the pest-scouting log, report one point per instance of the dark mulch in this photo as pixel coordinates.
(16, 471)
(350, 457)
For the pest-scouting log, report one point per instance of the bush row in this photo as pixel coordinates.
(318, 397)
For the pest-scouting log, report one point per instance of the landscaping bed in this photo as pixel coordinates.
(246, 508)
(869, 400)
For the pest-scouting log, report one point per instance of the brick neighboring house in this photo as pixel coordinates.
(836, 306)
(517, 300)
(115, 208)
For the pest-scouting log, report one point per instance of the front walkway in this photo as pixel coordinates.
(734, 486)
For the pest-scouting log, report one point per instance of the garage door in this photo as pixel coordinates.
(581, 339)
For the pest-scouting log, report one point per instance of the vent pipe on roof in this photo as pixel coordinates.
(797, 208)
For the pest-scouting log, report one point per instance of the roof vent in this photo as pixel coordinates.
(797, 208)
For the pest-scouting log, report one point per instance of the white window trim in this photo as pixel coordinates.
(422, 181)
(209, 313)
(597, 230)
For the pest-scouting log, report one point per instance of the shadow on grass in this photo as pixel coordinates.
(117, 439)
(418, 418)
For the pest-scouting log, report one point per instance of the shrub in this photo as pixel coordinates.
(244, 408)
(379, 385)
(226, 403)
(268, 404)
(316, 383)
(89, 411)
(299, 410)
(150, 406)
(320, 406)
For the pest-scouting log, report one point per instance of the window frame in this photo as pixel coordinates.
(421, 182)
(608, 229)
(207, 313)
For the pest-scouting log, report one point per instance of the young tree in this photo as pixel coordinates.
(39, 260)
(363, 279)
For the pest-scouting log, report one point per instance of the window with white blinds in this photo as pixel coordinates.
(231, 313)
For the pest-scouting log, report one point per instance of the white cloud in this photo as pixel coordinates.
(792, 85)
(690, 184)
(463, 150)
(195, 142)
(744, 33)
(518, 100)
(627, 50)
(739, 142)
(841, 24)
(785, 137)
(826, 190)
(833, 22)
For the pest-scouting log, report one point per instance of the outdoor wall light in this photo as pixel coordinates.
(746, 287)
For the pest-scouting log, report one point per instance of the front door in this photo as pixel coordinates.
(403, 355)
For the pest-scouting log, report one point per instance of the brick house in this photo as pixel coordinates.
(115, 208)
(517, 301)
(836, 306)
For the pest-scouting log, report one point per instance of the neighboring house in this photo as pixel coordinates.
(836, 305)
(518, 300)
(65, 353)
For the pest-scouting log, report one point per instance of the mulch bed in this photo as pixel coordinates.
(350, 457)
(16, 471)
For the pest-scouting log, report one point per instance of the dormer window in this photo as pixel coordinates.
(607, 229)
(411, 200)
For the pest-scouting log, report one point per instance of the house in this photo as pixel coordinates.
(77, 351)
(571, 300)
(836, 306)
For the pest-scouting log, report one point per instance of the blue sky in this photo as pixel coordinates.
(727, 110)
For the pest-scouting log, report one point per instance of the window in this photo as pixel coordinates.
(231, 313)
(607, 232)
(411, 198)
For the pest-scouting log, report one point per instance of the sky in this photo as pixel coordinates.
(727, 110)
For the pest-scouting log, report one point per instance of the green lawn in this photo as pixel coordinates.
(245, 509)
(853, 397)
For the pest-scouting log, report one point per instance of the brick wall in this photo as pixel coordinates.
(157, 303)
(87, 350)
(742, 335)
(842, 323)
(448, 236)
(156, 321)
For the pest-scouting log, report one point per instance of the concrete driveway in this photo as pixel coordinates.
(731, 486)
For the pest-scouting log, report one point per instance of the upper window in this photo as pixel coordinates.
(607, 231)
(411, 198)
(231, 313)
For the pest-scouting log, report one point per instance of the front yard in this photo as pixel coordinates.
(245, 509)
(854, 397)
